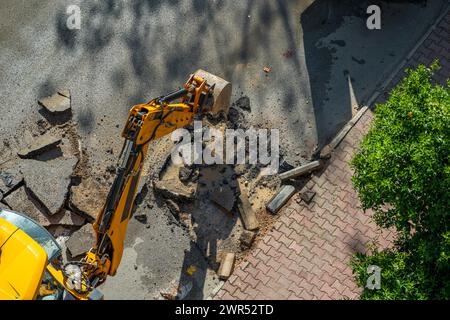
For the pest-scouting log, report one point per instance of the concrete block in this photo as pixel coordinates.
(280, 199)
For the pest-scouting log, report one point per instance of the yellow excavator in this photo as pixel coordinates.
(31, 264)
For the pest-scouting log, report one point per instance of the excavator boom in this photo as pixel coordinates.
(146, 122)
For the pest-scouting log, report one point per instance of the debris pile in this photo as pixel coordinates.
(44, 178)
(227, 207)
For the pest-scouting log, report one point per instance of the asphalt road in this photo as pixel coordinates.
(324, 61)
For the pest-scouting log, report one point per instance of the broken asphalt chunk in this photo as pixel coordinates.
(246, 239)
(66, 218)
(49, 181)
(10, 179)
(285, 166)
(22, 202)
(4, 206)
(280, 199)
(173, 207)
(224, 197)
(81, 241)
(57, 103)
(185, 173)
(142, 218)
(307, 195)
(171, 189)
(88, 197)
(40, 145)
(64, 93)
(243, 103)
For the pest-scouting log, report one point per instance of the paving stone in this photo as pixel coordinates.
(226, 265)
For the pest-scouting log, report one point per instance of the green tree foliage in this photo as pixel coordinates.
(402, 172)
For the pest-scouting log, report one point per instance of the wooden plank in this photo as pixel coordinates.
(307, 168)
(226, 265)
(246, 211)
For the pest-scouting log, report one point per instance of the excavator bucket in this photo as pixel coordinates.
(221, 92)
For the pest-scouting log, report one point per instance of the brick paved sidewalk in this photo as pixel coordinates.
(306, 254)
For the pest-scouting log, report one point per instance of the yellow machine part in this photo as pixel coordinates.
(22, 263)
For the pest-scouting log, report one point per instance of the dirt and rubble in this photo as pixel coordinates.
(42, 164)
(46, 174)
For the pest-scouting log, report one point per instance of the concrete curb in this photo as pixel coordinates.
(341, 135)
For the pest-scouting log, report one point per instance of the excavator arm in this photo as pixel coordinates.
(146, 122)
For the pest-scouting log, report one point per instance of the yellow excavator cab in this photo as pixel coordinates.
(26, 249)
(22, 263)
